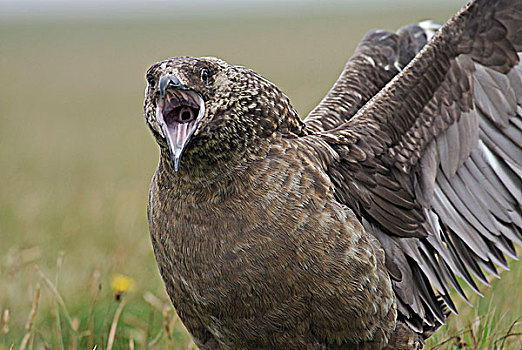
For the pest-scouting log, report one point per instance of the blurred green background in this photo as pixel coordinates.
(76, 157)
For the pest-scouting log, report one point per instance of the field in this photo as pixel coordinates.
(76, 265)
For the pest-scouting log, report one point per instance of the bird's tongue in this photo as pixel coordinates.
(178, 135)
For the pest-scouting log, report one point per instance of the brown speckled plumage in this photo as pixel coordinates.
(345, 230)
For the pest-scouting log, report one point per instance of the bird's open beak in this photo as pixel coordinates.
(179, 111)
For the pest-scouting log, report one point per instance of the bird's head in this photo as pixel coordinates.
(204, 110)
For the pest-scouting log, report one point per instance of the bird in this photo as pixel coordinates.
(349, 228)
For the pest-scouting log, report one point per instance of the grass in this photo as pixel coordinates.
(76, 160)
(493, 322)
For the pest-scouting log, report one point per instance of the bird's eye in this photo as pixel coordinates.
(151, 80)
(205, 76)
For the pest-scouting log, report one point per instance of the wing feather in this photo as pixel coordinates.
(430, 152)
(378, 58)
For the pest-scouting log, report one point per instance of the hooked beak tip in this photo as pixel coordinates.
(168, 81)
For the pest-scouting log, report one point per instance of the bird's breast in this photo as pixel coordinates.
(268, 249)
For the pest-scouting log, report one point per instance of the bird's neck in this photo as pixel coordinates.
(225, 176)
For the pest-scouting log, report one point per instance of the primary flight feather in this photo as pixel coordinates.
(348, 229)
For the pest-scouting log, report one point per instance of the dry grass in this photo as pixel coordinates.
(76, 160)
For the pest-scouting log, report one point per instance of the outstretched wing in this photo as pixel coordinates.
(432, 164)
(377, 59)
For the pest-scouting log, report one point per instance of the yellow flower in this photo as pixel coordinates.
(121, 284)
